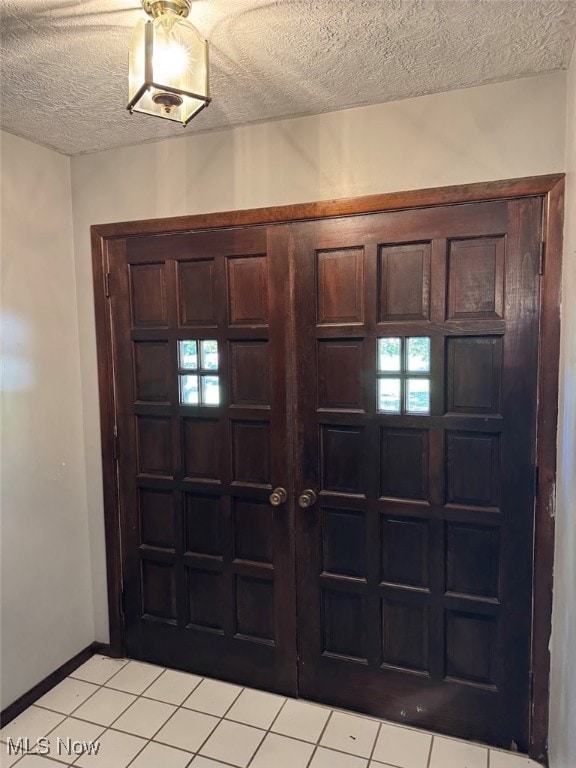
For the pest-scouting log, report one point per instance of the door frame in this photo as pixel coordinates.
(551, 189)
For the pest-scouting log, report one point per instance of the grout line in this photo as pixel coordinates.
(203, 743)
(118, 672)
(74, 674)
(250, 761)
(122, 690)
(161, 701)
(319, 739)
(207, 739)
(156, 679)
(429, 761)
(220, 717)
(234, 702)
(312, 756)
(223, 762)
(174, 746)
(137, 755)
(277, 716)
(375, 742)
(106, 726)
(71, 713)
(268, 732)
(77, 757)
(139, 735)
(136, 697)
(323, 731)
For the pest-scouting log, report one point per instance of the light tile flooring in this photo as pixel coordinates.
(144, 716)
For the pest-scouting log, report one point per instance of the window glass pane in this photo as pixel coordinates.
(189, 390)
(389, 357)
(418, 354)
(418, 395)
(210, 390)
(209, 354)
(188, 354)
(389, 395)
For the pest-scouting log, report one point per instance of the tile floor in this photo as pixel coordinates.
(145, 716)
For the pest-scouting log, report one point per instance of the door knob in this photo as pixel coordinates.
(278, 496)
(307, 498)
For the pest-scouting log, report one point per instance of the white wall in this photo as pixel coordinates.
(492, 132)
(45, 558)
(563, 676)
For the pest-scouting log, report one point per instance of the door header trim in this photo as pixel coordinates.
(389, 201)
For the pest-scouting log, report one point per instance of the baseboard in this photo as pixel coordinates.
(27, 699)
(101, 648)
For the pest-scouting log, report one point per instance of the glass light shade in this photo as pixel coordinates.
(168, 69)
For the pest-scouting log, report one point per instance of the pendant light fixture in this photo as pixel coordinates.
(168, 63)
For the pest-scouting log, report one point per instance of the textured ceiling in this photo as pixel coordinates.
(64, 63)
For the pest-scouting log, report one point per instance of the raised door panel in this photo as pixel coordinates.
(201, 449)
(343, 620)
(340, 374)
(248, 289)
(343, 542)
(154, 440)
(156, 512)
(148, 298)
(253, 535)
(404, 282)
(158, 590)
(251, 449)
(474, 374)
(405, 549)
(342, 459)
(405, 637)
(203, 524)
(196, 281)
(151, 371)
(250, 373)
(476, 278)
(340, 294)
(404, 463)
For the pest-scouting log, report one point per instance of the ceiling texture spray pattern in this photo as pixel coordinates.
(64, 63)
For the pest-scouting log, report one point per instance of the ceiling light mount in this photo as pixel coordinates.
(168, 63)
(155, 8)
(168, 101)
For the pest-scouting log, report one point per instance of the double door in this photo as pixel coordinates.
(326, 439)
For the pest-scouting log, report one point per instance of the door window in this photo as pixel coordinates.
(403, 373)
(197, 370)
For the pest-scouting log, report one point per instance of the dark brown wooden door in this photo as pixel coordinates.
(417, 343)
(199, 354)
(387, 364)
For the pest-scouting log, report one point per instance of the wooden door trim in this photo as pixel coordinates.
(547, 426)
(551, 188)
(107, 400)
(389, 201)
(418, 198)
